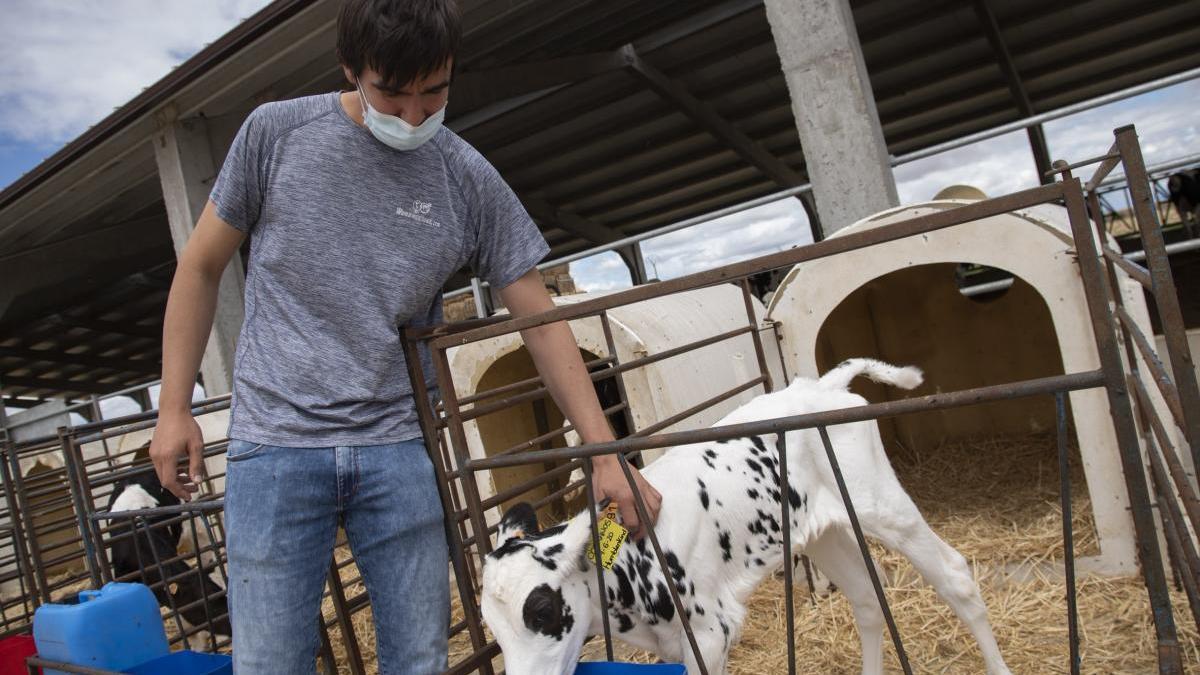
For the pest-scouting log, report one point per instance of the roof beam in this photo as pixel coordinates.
(114, 327)
(672, 33)
(571, 222)
(697, 22)
(1037, 137)
(146, 367)
(59, 385)
(708, 118)
(475, 89)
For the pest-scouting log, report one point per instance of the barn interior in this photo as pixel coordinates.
(611, 120)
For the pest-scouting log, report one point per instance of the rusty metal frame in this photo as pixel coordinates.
(458, 472)
(88, 482)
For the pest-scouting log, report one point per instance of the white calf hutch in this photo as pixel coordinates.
(901, 302)
(656, 392)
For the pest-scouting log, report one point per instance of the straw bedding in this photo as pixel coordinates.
(997, 502)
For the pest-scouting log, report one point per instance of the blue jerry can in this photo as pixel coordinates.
(114, 628)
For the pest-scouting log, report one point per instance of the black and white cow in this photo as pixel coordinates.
(720, 533)
(1184, 189)
(198, 596)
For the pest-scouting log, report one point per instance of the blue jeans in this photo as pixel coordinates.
(282, 510)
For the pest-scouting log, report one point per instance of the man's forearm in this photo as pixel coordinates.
(191, 305)
(557, 357)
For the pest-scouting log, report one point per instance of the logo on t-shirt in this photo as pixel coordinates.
(418, 211)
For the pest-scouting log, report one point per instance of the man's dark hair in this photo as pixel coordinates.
(402, 40)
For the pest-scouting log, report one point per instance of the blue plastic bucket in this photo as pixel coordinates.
(186, 663)
(612, 668)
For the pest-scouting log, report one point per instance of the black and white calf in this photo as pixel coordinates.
(720, 532)
(199, 597)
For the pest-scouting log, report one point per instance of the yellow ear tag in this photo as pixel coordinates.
(612, 536)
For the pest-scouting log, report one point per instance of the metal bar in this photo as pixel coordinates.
(345, 623)
(458, 558)
(35, 662)
(513, 386)
(1173, 532)
(1048, 116)
(1181, 550)
(1159, 371)
(84, 502)
(758, 347)
(199, 506)
(1135, 271)
(1169, 507)
(84, 404)
(675, 227)
(939, 401)
(35, 550)
(591, 500)
(822, 249)
(1165, 298)
(1037, 137)
(1186, 494)
(1104, 332)
(706, 117)
(146, 420)
(597, 375)
(477, 294)
(205, 598)
(789, 591)
(521, 488)
(163, 581)
(570, 487)
(1111, 159)
(1109, 162)
(458, 443)
(644, 517)
(476, 660)
(611, 345)
(699, 407)
(18, 535)
(1159, 171)
(779, 348)
(537, 440)
(1064, 495)
(328, 666)
(862, 547)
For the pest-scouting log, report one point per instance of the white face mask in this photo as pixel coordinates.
(395, 132)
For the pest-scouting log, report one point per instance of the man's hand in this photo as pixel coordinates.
(608, 480)
(177, 435)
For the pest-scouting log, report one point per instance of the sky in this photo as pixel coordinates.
(66, 64)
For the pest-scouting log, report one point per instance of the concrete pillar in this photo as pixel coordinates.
(187, 169)
(834, 108)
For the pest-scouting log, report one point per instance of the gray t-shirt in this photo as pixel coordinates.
(350, 238)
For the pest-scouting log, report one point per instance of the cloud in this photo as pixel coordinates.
(66, 65)
(764, 229)
(600, 273)
(1167, 125)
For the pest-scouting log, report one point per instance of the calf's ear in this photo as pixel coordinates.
(519, 521)
(576, 538)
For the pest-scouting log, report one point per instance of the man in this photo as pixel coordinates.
(359, 206)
